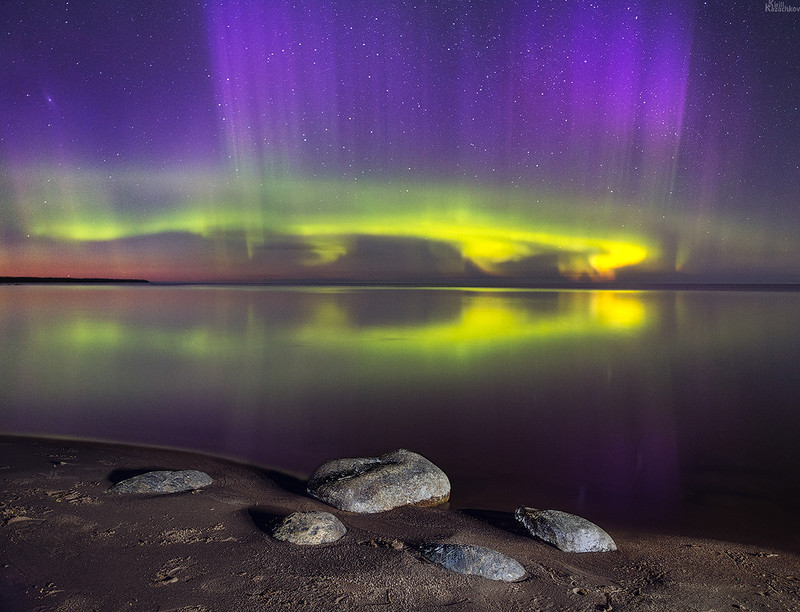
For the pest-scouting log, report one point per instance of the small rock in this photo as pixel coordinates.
(161, 482)
(377, 484)
(474, 560)
(565, 531)
(313, 527)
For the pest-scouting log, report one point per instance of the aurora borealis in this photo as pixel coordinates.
(245, 140)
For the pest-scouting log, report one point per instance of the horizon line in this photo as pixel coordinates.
(643, 285)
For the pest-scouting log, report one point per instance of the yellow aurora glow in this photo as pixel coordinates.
(487, 245)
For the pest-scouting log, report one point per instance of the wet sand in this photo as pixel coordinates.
(66, 544)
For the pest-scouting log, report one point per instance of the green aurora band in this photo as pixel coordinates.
(114, 326)
(500, 230)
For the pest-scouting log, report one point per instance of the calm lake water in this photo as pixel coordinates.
(673, 409)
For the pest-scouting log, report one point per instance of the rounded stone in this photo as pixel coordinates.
(474, 560)
(163, 481)
(309, 528)
(565, 531)
(377, 484)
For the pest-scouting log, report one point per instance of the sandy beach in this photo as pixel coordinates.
(67, 544)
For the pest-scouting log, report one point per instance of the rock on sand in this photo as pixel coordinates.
(474, 560)
(312, 527)
(165, 481)
(377, 484)
(565, 531)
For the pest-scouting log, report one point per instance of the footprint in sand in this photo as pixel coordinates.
(72, 496)
(172, 568)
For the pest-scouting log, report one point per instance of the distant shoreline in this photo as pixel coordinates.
(46, 280)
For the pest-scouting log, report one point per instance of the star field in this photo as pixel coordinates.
(670, 129)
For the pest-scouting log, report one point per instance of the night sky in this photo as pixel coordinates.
(246, 140)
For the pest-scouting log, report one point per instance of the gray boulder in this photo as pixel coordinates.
(377, 484)
(308, 528)
(161, 482)
(474, 560)
(565, 531)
